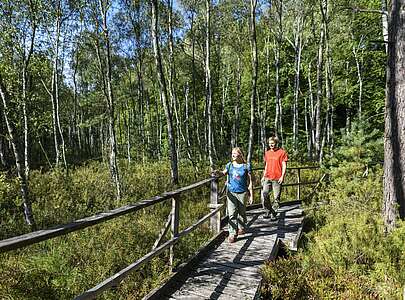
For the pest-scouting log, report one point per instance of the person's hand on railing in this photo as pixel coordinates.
(217, 173)
(250, 199)
(250, 194)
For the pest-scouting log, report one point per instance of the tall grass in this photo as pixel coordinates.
(64, 267)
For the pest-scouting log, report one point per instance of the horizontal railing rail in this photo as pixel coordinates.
(291, 168)
(298, 184)
(46, 234)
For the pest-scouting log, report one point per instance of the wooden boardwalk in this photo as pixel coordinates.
(232, 271)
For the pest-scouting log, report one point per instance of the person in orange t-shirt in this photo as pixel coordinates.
(275, 160)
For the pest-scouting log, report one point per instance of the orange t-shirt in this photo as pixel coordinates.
(274, 160)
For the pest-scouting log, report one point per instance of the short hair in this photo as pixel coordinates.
(273, 139)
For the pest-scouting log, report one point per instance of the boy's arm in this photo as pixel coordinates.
(283, 170)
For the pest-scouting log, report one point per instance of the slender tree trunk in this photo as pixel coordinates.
(277, 116)
(307, 129)
(172, 86)
(60, 151)
(329, 80)
(236, 107)
(267, 97)
(208, 86)
(329, 97)
(253, 98)
(196, 113)
(145, 124)
(355, 51)
(186, 136)
(28, 216)
(54, 127)
(187, 115)
(76, 129)
(348, 123)
(3, 155)
(319, 94)
(163, 91)
(384, 23)
(298, 50)
(278, 120)
(27, 59)
(22, 159)
(3, 160)
(394, 136)
(312, 116)
(324, 137)
(127, 124)
(225, 86)
(103, 6)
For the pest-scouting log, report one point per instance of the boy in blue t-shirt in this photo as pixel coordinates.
(239, 174)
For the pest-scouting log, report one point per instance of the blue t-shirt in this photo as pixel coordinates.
(238, 177)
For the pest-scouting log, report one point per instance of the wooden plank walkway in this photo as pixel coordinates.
(232, 271)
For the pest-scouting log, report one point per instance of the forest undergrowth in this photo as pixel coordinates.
(64, 267)
(345, 252)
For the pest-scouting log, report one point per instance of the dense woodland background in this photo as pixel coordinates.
(107, 102)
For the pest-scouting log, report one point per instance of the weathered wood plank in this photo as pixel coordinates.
(186, 268)
(224, 285)
(204, 284)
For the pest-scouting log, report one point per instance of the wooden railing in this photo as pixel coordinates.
(299, 183)
(172, 223)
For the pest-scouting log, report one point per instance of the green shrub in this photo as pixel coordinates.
(64, 267)
(347, 254)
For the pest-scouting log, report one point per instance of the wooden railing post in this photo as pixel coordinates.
(174, 226)
(215, 221)
(299, 185)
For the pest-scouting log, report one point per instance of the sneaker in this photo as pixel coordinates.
(241, 231)
(232, 239)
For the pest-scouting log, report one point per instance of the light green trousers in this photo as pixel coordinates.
(268, 184)
(236, 212)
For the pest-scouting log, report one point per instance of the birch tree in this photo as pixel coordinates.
(105, 67)
(19, 32)
(163, 90)
(253, 4)
(208, 85)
